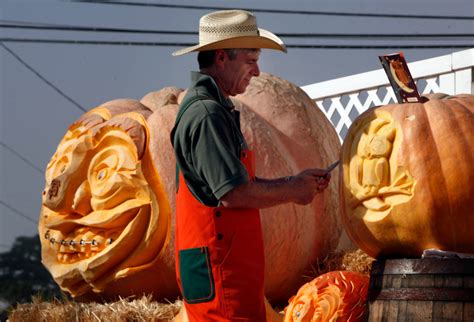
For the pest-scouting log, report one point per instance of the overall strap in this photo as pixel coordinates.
(187, 103)
(184, 107)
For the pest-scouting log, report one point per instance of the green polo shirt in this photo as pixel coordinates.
(207, 142)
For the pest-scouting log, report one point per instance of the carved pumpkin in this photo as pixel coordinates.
(407, 179)
(334, 296)
(83, 201)
(106, 217)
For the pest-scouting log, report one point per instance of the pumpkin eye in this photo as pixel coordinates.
(102, 174)
(380, 146)
(106, 168)
(61, 166)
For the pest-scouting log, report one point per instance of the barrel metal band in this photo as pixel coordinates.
(423, 294)
(423, 266)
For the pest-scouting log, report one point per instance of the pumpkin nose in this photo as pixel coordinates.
(51, 193)
(55, 196)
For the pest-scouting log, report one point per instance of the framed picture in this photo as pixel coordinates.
(400, 78)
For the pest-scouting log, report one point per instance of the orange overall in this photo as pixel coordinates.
(219, 257)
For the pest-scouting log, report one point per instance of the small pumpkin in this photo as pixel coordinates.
(334, 296)
(407, 179)
(280, 122)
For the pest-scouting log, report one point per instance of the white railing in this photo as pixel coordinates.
(343, 99)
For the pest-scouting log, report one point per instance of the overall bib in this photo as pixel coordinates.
(219, 257)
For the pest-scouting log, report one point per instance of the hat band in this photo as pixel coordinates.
(214, 33)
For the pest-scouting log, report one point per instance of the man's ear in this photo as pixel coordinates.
(220, 58)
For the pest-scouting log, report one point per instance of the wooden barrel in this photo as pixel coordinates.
(429, 289)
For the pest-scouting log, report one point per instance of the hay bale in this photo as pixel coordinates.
(144, 309)
(123, 310)
(351, 260)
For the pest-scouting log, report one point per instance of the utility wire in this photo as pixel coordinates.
(38, 26)
(96, 29)
(18, 212)
(301, 12)
(378, 46)
(41, 76)
(31, 164)
(182, 44)
(26, 22)
(96, 42)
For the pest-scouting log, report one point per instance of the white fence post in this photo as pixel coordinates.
(463, 62)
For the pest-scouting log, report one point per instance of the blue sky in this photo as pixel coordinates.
(34, 116)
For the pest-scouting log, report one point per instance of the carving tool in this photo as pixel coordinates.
(331, 167)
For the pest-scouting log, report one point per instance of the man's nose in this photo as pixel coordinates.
(256, 71)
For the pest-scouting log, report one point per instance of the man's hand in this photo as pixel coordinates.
(263, 193)
(309, 183)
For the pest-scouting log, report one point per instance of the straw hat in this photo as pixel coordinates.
(232, 29)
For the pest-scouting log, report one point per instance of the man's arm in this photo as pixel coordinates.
(264, 193)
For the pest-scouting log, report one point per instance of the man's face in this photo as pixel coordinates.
(235, 74)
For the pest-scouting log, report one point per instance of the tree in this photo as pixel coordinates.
(22, 274)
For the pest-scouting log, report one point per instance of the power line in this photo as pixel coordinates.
(96, 29)
(96, 42)
(329, 35)
(31, 164)
(18, 212)
(38, 26)
(26, 22)
(41, 76)
(378, 46)
(301, 12)
(183, 44)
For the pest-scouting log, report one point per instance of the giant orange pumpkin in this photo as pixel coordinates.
(107, 220)
(407, 179)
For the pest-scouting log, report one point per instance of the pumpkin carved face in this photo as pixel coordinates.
(102, 218)
(407, 178)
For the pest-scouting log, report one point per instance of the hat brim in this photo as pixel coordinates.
(265, 39)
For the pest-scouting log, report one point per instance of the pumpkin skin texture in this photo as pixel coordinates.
(297, 234)
(334, 296)
(406, 183)
(164, 97)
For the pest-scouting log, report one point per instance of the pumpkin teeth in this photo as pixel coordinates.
(79, 244)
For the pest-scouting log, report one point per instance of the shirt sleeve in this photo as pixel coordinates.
(215, 155)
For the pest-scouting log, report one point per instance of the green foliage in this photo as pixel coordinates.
(22, 274)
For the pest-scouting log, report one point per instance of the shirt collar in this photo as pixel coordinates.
(209, 85)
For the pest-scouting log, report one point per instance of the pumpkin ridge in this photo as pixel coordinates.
(449, 224)
(449, 120)
(433, 179)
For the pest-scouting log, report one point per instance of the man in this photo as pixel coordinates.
(219, 245)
